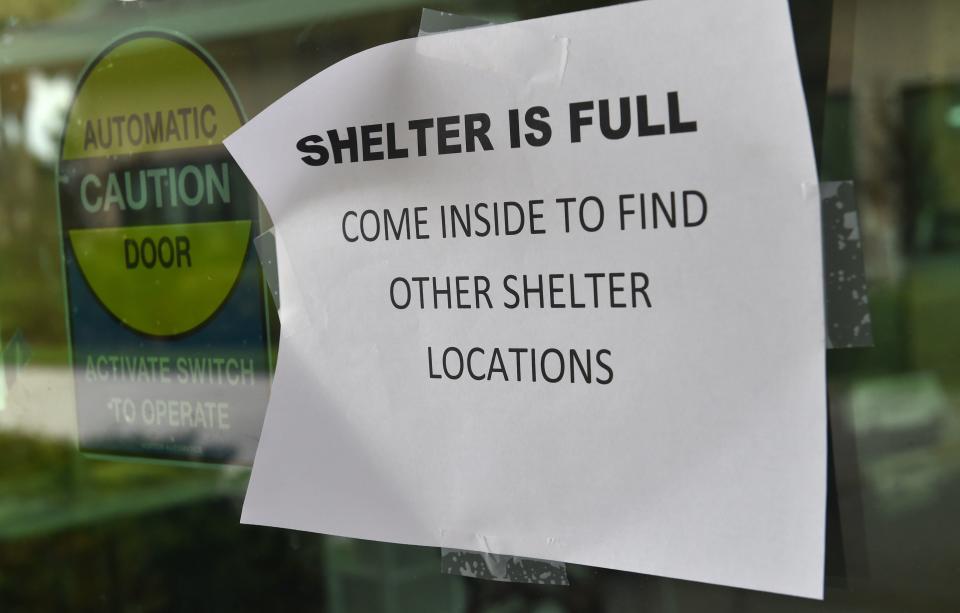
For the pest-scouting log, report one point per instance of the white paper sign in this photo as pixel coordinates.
(553, 289)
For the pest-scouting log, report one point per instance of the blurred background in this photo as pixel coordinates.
(882, 79)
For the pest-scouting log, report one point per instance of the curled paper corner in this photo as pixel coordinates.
(266, 246)
(279, 276)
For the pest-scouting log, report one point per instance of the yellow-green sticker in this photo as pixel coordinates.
(148, 198)
(181, 272)
(166, 306)
(123, 107)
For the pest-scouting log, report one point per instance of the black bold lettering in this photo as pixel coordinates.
(312, 146)
(476, 127)
(369, 138)
(673, 109)
(605, 127)
(183, 251)
(447, 130)
(577, 120)
(534, 118)
(131, 253)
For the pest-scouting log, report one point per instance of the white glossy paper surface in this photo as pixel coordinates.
(705, 456)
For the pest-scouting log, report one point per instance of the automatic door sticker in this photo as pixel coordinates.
(167, 311)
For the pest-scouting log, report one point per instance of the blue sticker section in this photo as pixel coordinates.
(199, 396)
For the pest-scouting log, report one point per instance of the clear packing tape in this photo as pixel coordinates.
(844, 278)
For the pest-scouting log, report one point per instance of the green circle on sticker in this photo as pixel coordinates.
(138, 77)
(149, 196)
